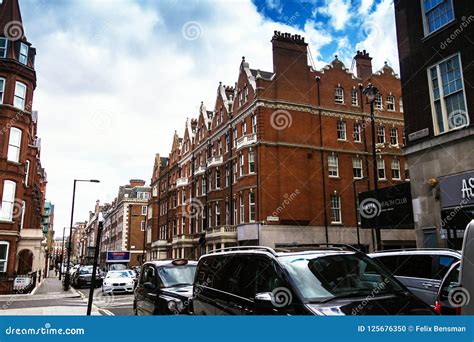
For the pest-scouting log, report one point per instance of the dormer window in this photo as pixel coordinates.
(23, 58)
(339, 95)
(3, 47)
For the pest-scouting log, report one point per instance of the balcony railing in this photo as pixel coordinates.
(222, 232)
(214, 161)
(182, 181)
(246, 140)
(200, 170)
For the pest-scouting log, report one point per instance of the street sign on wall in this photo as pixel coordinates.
(118, 256)
(391, 208)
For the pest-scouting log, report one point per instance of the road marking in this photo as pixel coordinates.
(107, 312)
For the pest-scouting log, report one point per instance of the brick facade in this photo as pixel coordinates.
(22, 178)
(255, 169)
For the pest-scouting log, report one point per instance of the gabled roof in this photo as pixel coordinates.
(386, 69)
(336, 63)
(266, 75)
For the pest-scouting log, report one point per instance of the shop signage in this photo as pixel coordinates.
(118, 256)
(457, 190)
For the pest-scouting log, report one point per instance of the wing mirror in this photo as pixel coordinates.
(264, 300)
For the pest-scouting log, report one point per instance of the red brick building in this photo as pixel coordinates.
(276, 160)
(22, 179)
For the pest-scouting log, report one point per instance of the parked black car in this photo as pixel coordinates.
(164, 287)
(83, 277)
(323, 281)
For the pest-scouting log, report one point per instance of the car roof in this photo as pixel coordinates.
(415, 251)
(159, 263)
(279, 254)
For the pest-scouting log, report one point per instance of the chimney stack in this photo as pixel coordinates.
(136, 182)
(363, 65)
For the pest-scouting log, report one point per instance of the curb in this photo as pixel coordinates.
(94, 307)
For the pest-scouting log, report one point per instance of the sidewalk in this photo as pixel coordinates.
(47, 299)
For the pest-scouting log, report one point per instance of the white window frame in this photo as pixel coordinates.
(4, 47)
(5, 261)
(18, 97)
(254, 124)
(339, 95)
(355, 97)
(218, 214)
(442, 95)
(378, 102)
(252, 213)
(333, 166)
(380, 129)
(2, 88)
(336, 208)
(251, 161)
(381, 166)
(357, 165)
(218, 178)
(23, 210)
(242, 208)
(357, 130)
(396, 163)
(234, 204)
(27, 171)
(23, 55)
(341, 130)
(394, 136)
(8, 202)
(390, 103)
(426, 29)
(13, 149)
(144, 209)
(242, 164)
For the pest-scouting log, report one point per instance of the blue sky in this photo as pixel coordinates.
(116, 78)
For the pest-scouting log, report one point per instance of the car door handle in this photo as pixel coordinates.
(427, 285)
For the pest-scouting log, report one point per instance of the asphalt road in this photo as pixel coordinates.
(116, 304)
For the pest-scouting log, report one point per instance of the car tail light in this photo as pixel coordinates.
(438, 307)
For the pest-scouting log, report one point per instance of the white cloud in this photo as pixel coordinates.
(379, 35)
(338, 12)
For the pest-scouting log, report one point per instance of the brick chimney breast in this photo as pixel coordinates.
(363, 65)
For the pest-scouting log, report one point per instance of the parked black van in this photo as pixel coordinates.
(164, 287)
(321, 281)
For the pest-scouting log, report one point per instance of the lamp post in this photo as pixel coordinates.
(67, 277)
(370, 93)
(356, 207)
(100, 228)
(62, 255)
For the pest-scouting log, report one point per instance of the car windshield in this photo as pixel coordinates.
(320, 278)
(451, 281)
(177, 275)
(85, 270)
(122, 274)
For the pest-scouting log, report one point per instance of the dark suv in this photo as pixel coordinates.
(164, 287)
(321, 281)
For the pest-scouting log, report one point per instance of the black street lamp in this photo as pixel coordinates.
(356, 206)
(370, 93)
(67, 277)
(62, 255)
(100, 228)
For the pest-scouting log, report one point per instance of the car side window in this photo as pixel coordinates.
(149, 274)
(442, 266)
(267, 278)
(451, 282)
(390, 262)
(415, 266)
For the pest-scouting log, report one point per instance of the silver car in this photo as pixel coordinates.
(420, 270)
